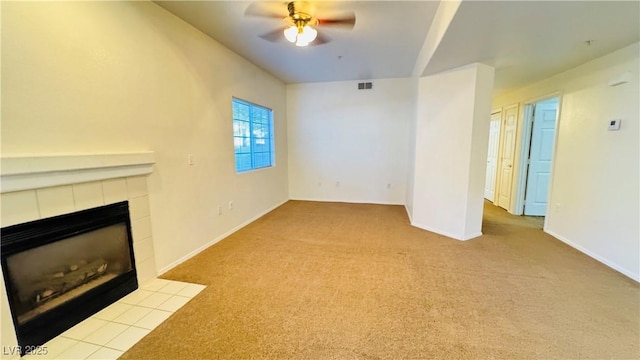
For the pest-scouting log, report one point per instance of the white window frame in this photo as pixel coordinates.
(253, 137)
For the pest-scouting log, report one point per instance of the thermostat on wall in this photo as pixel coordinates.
(614, 124)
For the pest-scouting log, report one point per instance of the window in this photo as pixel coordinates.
(252, 136)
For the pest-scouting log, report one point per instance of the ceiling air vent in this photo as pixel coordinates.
(365, 86)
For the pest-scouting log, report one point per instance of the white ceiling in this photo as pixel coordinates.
(524, 40)
(528, 41)
(378, 46)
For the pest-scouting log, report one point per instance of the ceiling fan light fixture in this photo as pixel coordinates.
(300, 33)
(291, 33)
(308, 34)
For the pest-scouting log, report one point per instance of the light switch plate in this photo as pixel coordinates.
(614, 124)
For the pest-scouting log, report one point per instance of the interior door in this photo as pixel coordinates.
(492, 157)
(507, 155)
(540, 153)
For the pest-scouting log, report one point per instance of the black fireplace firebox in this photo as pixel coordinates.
(61, 270)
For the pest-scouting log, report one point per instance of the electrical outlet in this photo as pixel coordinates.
(388, 186)
(337, 183)
(219, 209)
(614, 124)
(230, 205)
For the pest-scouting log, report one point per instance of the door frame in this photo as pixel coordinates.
(522, 166)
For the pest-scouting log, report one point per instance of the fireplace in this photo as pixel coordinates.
(60, 270)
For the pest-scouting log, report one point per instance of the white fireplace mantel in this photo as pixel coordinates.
(34, 172)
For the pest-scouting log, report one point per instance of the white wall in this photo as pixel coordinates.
(451, 149)
(103, 77)
(594, 192)
(479, 148)
(411, 174)
(357, 138)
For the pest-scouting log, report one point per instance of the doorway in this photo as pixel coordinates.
(537, 149)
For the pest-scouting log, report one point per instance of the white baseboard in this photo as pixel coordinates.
(217, 239)
(408, 214)
(472, 236)
(446, 233)
(348, 201)
(614, 266)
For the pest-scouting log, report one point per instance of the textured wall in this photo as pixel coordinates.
(347, 144)
(452, 135)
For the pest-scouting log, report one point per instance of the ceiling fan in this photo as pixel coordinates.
(299, 25)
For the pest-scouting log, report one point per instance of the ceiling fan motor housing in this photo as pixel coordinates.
(300, 19)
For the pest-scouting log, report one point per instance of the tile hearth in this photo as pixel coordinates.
(115, 329)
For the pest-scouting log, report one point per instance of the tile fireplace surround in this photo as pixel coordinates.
(37, 187)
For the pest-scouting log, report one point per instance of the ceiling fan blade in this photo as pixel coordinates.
(320, 39)
(266, 9)
(273, 36)
(346, 22)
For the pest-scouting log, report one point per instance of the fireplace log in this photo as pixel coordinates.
(56, 285)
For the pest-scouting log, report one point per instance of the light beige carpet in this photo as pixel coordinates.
(354, 281)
